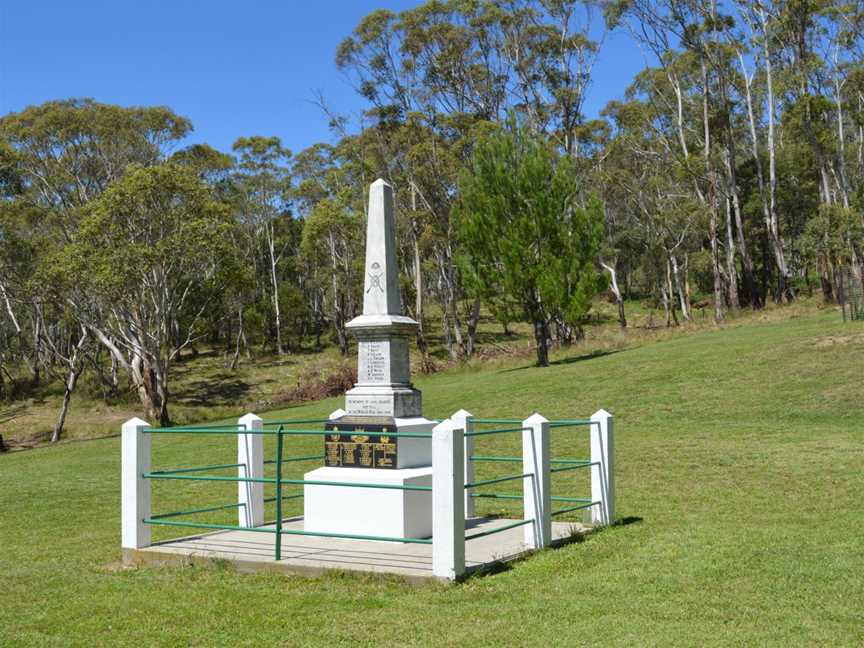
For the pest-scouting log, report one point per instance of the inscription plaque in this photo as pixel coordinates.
(355, 443)
(377, 362)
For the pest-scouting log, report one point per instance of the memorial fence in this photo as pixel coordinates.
(453, 489)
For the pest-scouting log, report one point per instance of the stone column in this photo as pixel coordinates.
(250, 453)
(603, 468)
(536, 488)
(448, 514)
(462, 420)
(134, 489)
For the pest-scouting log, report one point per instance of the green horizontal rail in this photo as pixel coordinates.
(497, 431)
(497, 480)
(511, 496)
(296, 421)
(190, 470)
(519, 459)
(195, 428)
(353, 485)
(474, 536)
(234, 527)
(270, 480)
(253, 480)
(284, 497)
(225, 430)
(198, 510)
(498, 496)
(571, 423)
(575, 466)
(479, 420)
(351, 536)
(570, 509)
(410, 435)
(205, 525)
(306, 458)
(234, 430)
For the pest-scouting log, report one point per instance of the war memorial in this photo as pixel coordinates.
(396, 490)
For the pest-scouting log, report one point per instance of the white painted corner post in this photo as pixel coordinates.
(602, 468)
(250, 456)
(448, 504)
(463, 421)
(134, 489)
(536, 486)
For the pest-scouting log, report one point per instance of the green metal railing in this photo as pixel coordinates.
(278, 481)
(557, 466)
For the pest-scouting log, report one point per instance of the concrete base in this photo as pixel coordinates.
(249, 551)
(369, 511)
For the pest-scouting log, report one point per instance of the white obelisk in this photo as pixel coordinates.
(383, 374)
(382, 398)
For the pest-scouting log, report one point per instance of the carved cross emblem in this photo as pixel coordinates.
(375, 277)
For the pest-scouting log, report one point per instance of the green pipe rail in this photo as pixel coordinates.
(277, 529)
(557, 465)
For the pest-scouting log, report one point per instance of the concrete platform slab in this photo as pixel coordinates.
(309, 556)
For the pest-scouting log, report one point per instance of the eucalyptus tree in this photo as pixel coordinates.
(262, 182)
(59, 157)
(152, 253)
(330, 195)
(647, 191)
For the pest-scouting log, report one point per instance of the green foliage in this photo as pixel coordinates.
(524, 234)
(157, 225)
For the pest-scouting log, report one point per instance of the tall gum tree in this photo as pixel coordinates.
(152, 254)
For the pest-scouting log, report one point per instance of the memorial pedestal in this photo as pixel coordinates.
(352, 510)
(364, 442)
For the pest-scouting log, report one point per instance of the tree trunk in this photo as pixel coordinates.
(274, 285)
(75, 369)
(473, 321)
(619, 300)
(682, 296)
(787, 292)
(541, 337)
(731, 274)
(236, 359)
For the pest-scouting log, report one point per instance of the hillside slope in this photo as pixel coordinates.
(740, 461)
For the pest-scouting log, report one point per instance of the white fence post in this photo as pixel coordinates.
(602, 469)
(134, 489)
(448, 504)
(536, 486)
(462, 420)
(250, 454)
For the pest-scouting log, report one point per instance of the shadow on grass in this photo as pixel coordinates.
(11, 413)
(576, 537)
(217, 390)
(630, 519)
(567, 361)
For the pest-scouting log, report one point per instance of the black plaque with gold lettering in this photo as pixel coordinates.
(360, 442)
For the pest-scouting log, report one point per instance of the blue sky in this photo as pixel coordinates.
(234, 68)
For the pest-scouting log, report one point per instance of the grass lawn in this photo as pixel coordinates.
(740, 458)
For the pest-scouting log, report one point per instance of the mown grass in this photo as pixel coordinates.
(740, 481)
